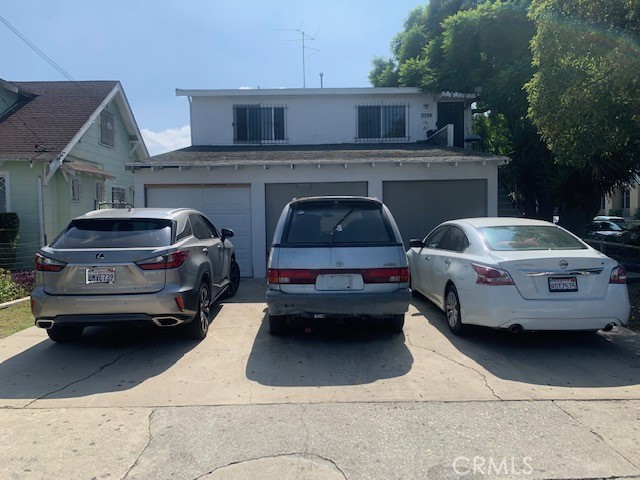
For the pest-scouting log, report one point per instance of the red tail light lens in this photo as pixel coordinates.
(491, 276)
(46, 264)
(618, 275)
(308, 277)
(163, 262)
(296, 277)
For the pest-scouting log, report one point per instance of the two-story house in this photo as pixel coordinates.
(254, 150)
(63, 147)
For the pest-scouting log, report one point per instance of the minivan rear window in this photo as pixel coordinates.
(115, 233)
(337, 223)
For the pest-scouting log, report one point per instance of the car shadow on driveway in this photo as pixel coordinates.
(110, 359)
(327, 356)
(564, 359)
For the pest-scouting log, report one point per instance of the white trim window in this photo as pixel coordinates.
(76, 190)
(259, 124)
(107, 128)
(118, 196)
(626, 198)
(99, 193)
(5, 198)
(382, 123)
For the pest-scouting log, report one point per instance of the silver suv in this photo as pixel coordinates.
(337, 257)
(141, 265)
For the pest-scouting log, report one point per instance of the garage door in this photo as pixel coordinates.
(226, 206)
(279, 194)
(418, 206)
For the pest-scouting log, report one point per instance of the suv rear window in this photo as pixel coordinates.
(115, 233)
(337, 223)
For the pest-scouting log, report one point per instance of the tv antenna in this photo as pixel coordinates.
(303, 37)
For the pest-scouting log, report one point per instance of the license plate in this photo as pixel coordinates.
(102, 275)
(563, 284)
(339, 282)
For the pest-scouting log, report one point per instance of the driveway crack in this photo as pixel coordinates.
(596, 434)
(117, 359)
(482, 375)
(149, 438)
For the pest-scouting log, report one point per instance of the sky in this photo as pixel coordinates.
(155, 46)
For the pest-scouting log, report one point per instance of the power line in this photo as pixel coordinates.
(68, 76)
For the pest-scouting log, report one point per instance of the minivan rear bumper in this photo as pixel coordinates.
(338, 304)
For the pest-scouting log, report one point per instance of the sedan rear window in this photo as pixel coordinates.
(115, 233)
(337, 223)
(529, 237)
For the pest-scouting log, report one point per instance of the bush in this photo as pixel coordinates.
(26, 280)
(10, 290)
(615, 213)
(636, 214)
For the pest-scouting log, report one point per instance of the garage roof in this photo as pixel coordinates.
(242, 155)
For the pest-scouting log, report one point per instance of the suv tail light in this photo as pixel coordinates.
(491, 276)
(618, 275)
(46, 264)
(163, 262)
(308, 277)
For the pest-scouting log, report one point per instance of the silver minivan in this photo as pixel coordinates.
(337, 257)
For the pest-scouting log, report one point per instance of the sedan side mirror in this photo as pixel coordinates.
(416, 243)
(226, 233)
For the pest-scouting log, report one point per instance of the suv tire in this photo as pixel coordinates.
(199, 326)
(234, 280)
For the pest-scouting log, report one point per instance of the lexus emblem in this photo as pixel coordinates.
(100, 256)
(563, 264)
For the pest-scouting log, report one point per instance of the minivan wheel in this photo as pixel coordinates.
(277, 324)
(64, 334)
(234, 280)
(452, 310)
(395, 323)
(199, 326)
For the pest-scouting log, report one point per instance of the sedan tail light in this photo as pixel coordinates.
(491, 276)
(46, 264)
(308, 277)
(164, 262)
(618, 275)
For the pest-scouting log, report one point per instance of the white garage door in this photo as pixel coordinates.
(226, 206)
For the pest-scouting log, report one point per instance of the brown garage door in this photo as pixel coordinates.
(418, 206)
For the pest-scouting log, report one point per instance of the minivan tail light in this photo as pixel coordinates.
(46, 264)
(291, 276)
(618, 275)
(308, 277)
(491, 276)
(163, 262)
(386, 275)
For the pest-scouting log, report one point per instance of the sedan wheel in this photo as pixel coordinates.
(199, 326)
(452, 310)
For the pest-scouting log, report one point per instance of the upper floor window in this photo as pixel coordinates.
(259, 124)
(382, 122)
(107, 128)
(626, 198)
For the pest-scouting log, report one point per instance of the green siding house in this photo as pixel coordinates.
(63, 146)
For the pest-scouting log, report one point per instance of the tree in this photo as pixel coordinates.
(585, 93)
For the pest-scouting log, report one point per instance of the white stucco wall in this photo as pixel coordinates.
(257, 177)
(313, 116)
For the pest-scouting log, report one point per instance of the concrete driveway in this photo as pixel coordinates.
(146, 403)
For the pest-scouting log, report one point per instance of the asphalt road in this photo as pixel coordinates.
(333, 403)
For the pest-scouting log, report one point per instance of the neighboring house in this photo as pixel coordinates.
(63, 146)
(625, 201)
(254, 150)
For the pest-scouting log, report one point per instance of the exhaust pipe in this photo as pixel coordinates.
(46, 324)
(166, 321)
(609, 327)
(515, 328)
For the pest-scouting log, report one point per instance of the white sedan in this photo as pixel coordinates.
(518, 274)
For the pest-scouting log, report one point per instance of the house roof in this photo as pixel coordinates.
(221, 156)
(49, 115)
